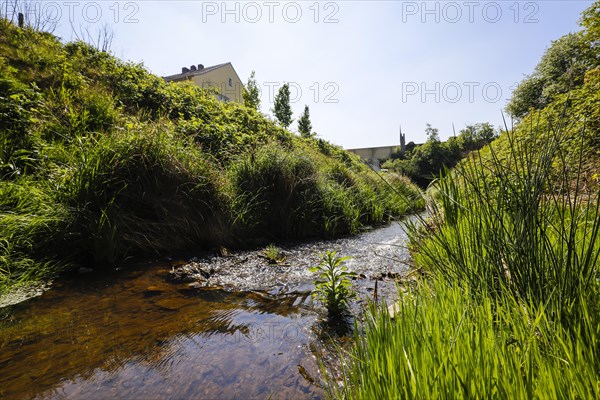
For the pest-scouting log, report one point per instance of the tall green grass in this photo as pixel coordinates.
(442, 344)
(30, 222)
(101, 161)
(511, 226)
(510, 308)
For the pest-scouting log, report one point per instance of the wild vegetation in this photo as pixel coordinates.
(423, 163)
(100, 160)
(509, 306)
(333, 287)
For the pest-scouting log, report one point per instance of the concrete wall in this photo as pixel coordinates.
(373, 154)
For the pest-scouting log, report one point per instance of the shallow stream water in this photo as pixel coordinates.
(227, 326)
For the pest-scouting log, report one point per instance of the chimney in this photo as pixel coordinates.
(21, 20)
(184, 70)
(200, 67)
(193, 67)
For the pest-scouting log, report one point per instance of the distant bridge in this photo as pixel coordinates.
(372, 155)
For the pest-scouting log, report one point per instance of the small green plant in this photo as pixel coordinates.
(273, 254)
(334, 287)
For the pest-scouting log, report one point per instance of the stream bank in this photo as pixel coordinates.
(216, 326)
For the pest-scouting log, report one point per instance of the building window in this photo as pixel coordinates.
(230, 82)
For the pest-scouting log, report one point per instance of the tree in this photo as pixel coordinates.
(562, 67)
(590, 20)
(304, 125)
(282, 108)
(252, 93)
(432, 133)
(474, 137)
(485, 132)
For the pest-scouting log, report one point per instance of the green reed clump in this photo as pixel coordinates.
(282, 192)
(509, 226)
(276, 193)
(30, 224)
(510, 306)
(442, 344)
(142, 191)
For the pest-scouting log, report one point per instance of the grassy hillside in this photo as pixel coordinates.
(101, 160)
(575, 118)
(510, 304)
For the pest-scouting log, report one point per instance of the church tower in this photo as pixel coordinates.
(402, 141)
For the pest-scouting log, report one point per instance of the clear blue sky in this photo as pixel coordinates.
(363, 67)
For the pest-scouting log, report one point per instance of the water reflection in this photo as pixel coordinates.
(139, 335)
(144, 338)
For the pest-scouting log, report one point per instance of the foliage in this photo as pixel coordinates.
(511, 251)
(304, 125)
(273, 254)
(334, 287)
(518, 232)
(432, 133)
(474, 137)
(282, 108)
(101, 161)
(562, 67)
(577, 115)
(510, 308)
(17, 102)
(252, 93)
(422, 163)
(590, 20)
(441, 343)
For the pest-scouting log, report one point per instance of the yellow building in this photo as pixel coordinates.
(222, 76)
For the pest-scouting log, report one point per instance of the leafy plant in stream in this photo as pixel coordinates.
(273, 254)
(333, 288)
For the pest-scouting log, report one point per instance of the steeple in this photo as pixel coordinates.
(402, 141)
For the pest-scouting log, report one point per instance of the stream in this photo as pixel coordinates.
(216, 326)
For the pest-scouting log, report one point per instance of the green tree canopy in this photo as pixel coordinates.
(433, 134)
(590, 20)
(304, 125)
(475, 136)
(252, 93)
(562, 67)
(282, 108)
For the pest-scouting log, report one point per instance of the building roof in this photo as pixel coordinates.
(189, 74)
